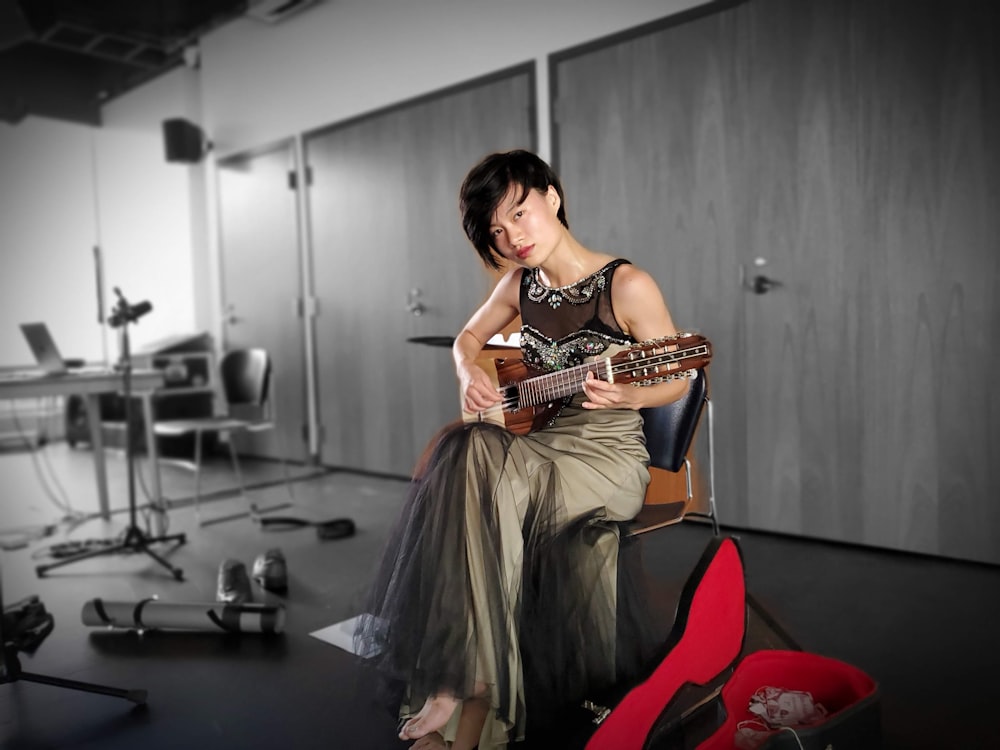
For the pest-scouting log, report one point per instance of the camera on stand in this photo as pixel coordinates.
(25, 625)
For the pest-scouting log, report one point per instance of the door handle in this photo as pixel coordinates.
(758, 283)
(413, 303)
(762, 284)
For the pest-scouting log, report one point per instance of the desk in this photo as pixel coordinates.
(91, 385)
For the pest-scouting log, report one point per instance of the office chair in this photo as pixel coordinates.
(246, 380)
(670, 431)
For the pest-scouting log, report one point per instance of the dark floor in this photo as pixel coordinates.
(925, 629)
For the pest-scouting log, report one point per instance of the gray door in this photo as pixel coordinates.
(261, 284)
(392, 263)
(848, 157)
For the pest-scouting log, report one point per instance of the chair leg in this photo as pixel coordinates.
(687, 480)
(285, 475)
(197, 476)
(252, 510)
(237, 472)
(713, 512)
(235, 460)
(284, 469)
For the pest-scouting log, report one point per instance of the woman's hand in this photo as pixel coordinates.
(604, 395)
(478, 391)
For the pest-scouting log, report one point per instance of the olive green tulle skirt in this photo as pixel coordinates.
(506, 568)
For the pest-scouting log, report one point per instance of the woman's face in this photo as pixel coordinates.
(527, 231)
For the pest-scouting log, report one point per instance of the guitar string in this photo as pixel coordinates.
(548, 387)
(564, 382)
(542, 388)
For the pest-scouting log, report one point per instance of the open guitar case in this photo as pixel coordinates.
(698, 694)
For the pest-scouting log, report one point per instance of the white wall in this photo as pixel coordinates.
(342, 58)
(65, 188)
(339, 59)
(47, 233)
(149, 233)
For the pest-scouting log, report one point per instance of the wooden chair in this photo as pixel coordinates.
(246, 379)
(670, 432)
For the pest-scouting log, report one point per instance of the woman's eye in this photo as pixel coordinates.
(518, 214)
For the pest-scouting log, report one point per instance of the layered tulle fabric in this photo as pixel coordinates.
(506, 568)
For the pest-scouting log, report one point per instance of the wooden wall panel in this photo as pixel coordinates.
(852, 146)
(385, 222)
(643, 147)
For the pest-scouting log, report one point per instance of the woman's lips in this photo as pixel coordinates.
(524, 251)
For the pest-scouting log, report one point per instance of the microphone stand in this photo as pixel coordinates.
(134, 538)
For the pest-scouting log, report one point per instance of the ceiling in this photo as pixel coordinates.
(63, 59)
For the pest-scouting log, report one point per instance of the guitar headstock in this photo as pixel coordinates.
(662, 358)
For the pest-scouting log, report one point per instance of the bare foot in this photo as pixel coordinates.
(434, 715)
(432, 741)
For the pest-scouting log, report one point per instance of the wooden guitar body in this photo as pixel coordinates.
(506, 373)
(531, 398)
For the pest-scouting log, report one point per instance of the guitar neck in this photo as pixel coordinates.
(526, 396)
(637, 366)
(541, 389)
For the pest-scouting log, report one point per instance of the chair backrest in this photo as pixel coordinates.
(670, 428)
(246, 377)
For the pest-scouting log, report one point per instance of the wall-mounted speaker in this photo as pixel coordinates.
(183, 141)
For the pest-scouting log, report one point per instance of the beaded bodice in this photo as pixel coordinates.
(562, 326)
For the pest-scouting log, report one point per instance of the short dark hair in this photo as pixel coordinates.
(486, 185)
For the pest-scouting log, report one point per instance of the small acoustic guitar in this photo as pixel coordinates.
(531, 399)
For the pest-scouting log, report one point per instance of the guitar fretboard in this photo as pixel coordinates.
(636, 368)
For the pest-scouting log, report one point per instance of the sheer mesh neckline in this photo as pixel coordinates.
(578, 293)
(560, 327)
(536, 278)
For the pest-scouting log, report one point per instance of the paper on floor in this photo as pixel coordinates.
(341, 635)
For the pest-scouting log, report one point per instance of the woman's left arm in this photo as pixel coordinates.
(642, 313)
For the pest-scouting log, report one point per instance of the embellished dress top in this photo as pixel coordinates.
(562, 326)
(505, 569)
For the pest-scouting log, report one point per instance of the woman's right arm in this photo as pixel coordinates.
(503, 305)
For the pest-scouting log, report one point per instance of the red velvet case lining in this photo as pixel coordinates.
(707, 638)
(832, 683)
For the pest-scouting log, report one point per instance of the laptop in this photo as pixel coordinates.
(50, 361)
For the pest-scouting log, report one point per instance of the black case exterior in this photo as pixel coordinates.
(858, 727)
(849, 696)
(695, 716)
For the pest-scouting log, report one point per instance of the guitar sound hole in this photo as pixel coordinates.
(511, 402)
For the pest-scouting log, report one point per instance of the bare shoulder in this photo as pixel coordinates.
(639, 305)
(632, 280)
(509, 285)
(499, 309)
(506, 293)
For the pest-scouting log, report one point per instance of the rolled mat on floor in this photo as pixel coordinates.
(149, 614)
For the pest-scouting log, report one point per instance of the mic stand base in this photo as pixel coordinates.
(135, 540)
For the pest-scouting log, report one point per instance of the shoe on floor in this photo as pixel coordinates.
(271, 571)
(234, 585)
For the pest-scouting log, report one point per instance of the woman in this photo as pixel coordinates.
(499, 596)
